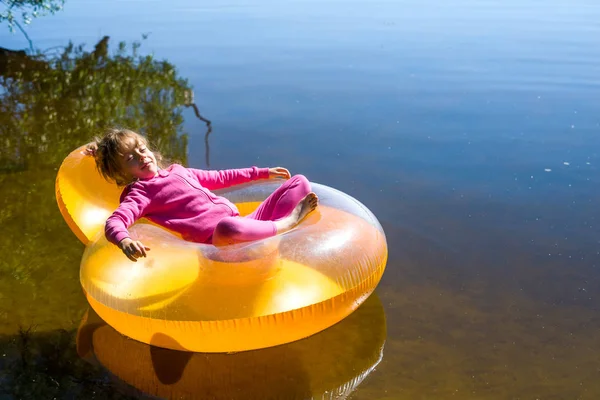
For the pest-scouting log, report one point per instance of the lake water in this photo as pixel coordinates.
(471, 129)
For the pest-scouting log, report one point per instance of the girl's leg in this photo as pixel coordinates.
(232, 230)
(283, 209)
(282, 201)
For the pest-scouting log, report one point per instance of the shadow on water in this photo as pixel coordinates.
(45, 365)
(86, 364)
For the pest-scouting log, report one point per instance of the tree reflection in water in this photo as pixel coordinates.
(50, 103)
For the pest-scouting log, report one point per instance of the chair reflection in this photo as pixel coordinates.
(329, 364)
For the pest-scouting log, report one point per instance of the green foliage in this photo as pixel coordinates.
(27, 10)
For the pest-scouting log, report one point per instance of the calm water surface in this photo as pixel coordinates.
(471, 129)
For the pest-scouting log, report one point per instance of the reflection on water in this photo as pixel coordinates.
(330, 364)
(189, 102)
(53, 102)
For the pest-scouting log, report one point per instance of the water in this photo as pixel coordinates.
(470, 129)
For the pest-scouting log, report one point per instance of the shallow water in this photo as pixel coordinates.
(470, 129)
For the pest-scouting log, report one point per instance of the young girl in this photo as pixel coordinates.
(180, 199)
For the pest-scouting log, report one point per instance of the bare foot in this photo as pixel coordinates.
(304, 207)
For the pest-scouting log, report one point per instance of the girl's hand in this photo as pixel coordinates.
(279, 172)
(91, 149)
(133, 249)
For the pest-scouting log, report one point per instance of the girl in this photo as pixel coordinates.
(180, 199)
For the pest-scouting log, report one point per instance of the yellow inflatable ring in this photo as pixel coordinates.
(197, 297)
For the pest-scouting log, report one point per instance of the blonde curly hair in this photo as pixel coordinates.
(106, 151)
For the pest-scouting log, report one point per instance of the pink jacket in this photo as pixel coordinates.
(179, 199)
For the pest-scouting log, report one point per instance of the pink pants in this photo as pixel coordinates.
(260, 224)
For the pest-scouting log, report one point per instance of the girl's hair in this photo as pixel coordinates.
(107, 150)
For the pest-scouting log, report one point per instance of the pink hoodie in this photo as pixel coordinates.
(180, 199)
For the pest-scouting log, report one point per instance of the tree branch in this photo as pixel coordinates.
(24, 33)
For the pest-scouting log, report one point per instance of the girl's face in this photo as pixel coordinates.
(137, 160)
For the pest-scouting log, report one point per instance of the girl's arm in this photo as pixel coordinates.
(133, 206)
(214, 179)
